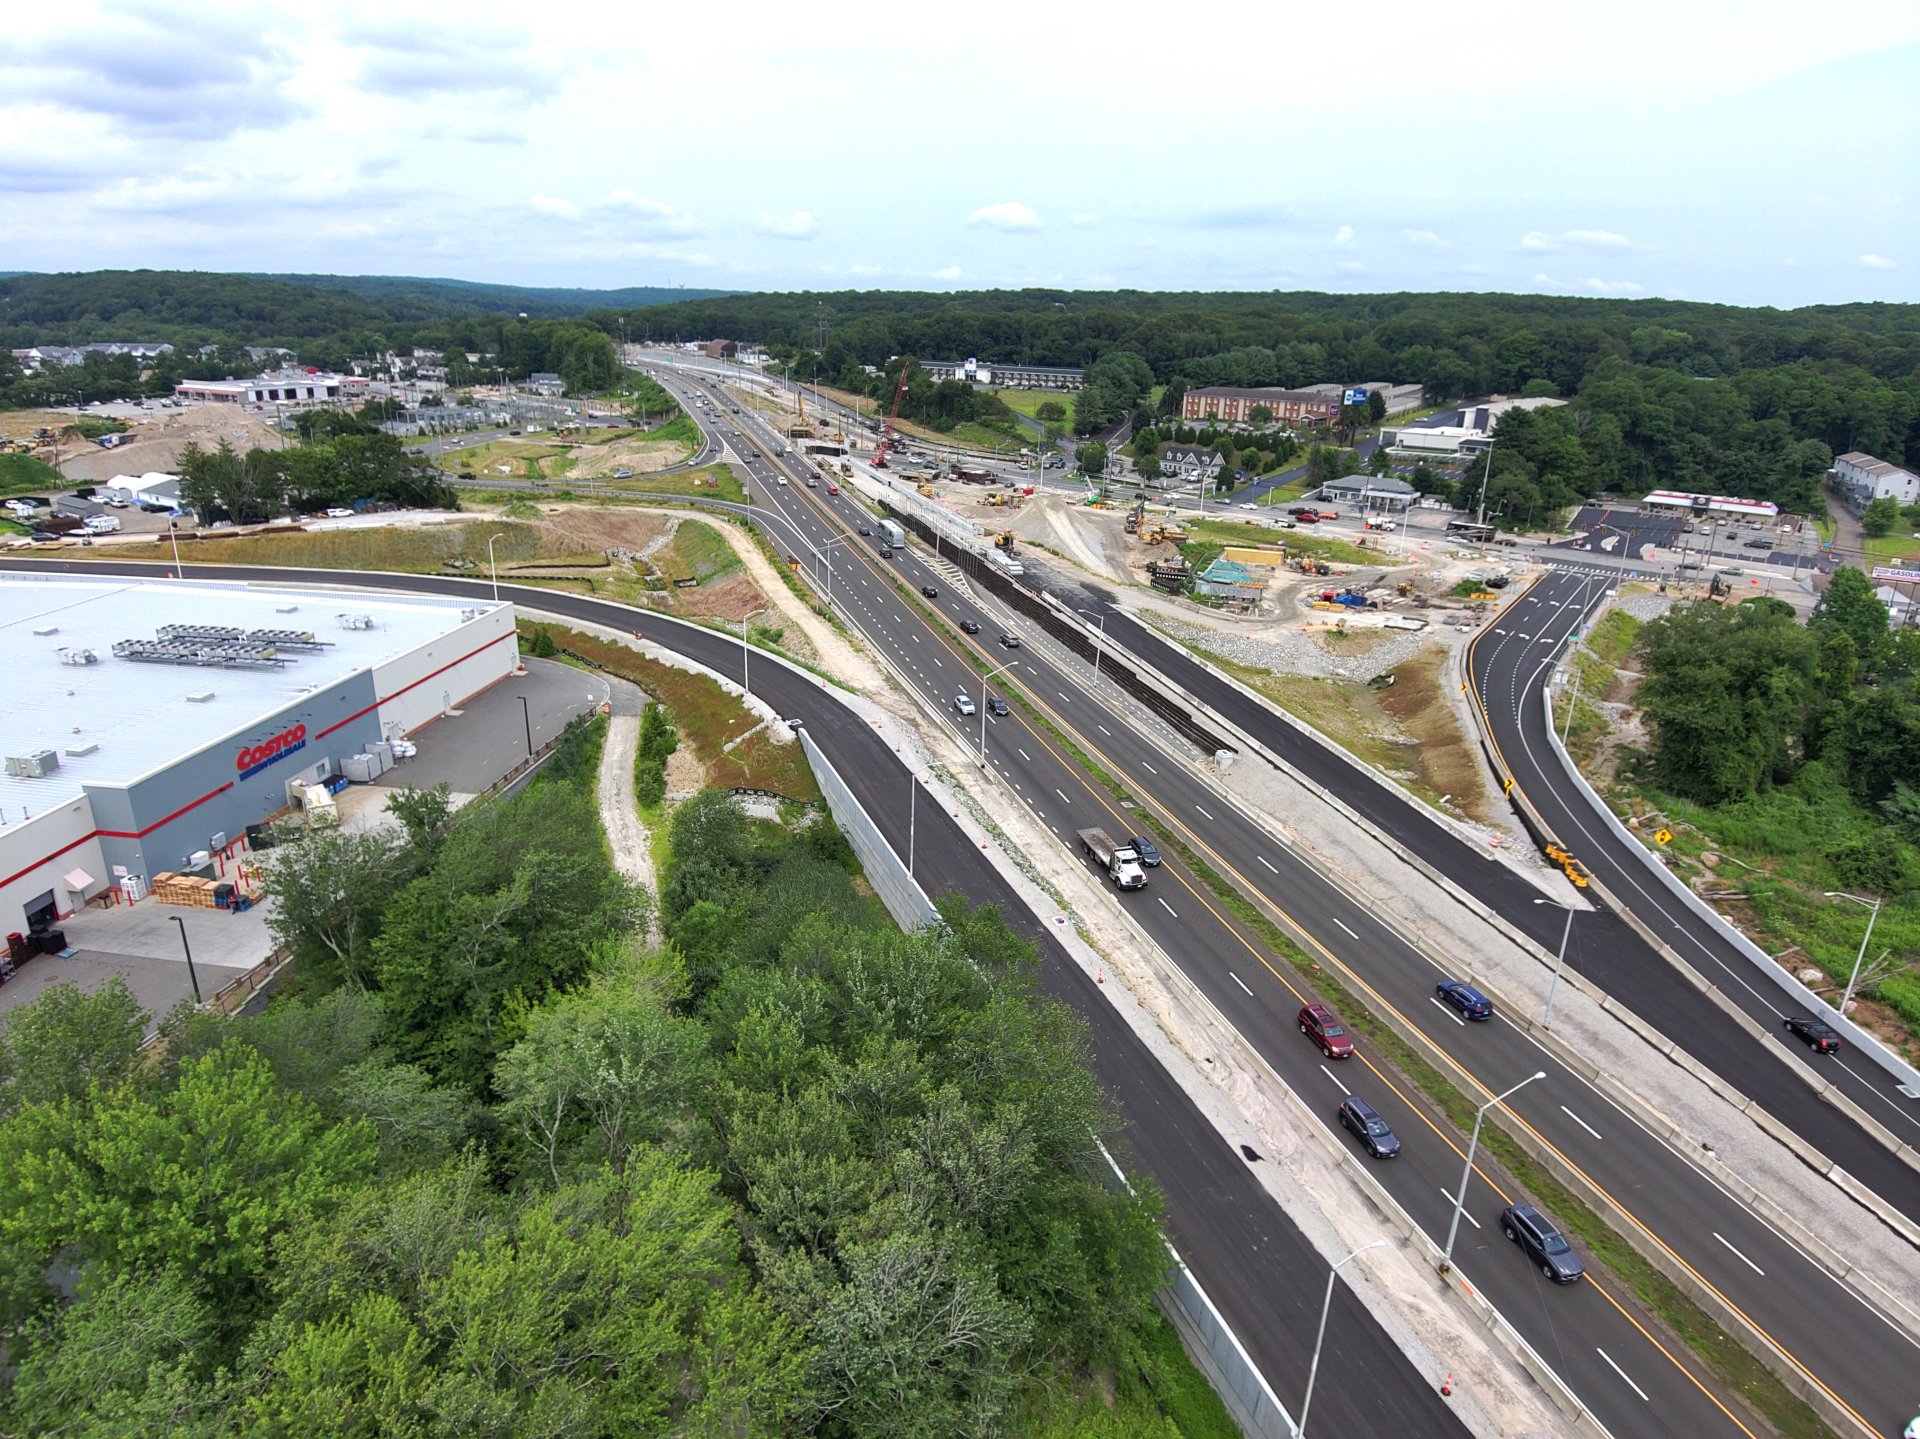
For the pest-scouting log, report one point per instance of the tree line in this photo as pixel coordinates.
(343, 460)
(498, 1165)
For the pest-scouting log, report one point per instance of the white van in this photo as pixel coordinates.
(102, 524)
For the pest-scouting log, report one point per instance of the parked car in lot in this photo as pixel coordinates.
(996, 706)
(1464, 997)
(1369, 1128)
(1762, 544)
(102, 524)
(1545, 1245)
(969, 627)
(1816, 1034)
(1323, 1027)
(1149, 856)
(964, 703)
(930, 592)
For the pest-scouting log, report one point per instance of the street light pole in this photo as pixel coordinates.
(1546, 1020)
(192, 977)
(1097, 648)
(1865, 939)
(1313, 1369)
(1460, 1201)
(492, 569)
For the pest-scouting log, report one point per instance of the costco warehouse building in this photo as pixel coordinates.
(147, 723)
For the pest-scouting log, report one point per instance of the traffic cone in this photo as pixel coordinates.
(1446, 1386)
(1100, 976)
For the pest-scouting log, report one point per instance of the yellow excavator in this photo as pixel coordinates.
(1003, 540)
(1135, 515)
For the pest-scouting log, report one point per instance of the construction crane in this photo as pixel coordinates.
(887, 436)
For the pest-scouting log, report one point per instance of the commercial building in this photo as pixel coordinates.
(1709, 507)
(1006, 377)
(1860, 479)
(149, 723)
(299, 390)
(1370, 494)
(1436, 441)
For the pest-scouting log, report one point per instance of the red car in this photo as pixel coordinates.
(833, 489)
(1323, 1027)
(1309, 518)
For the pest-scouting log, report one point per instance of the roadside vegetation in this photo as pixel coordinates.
(28, 475)
(1784, 760)
(492, 1164)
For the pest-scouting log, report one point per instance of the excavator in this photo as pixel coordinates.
(1003, 540)
(1135, 515)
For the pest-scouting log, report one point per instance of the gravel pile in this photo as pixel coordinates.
(1646, 607)
(1290, 652)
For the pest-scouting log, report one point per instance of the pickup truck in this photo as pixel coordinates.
(1119, 859)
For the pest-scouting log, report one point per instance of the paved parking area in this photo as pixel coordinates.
(468, 751)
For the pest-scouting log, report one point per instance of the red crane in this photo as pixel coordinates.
(887, 436)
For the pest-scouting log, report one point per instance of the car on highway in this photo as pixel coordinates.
(1816, 1034)
(1009, 642)
(1310, 518)
(969, 627)
(996, 706)
(1541, 1242)
(964, 703)
(1323, 1027)
(930, 592)
(781, 478)
(865, 531)
(1284, 525)
(1464, 997)
(1300, 511)
(1246, 506)
(1149, 855)
(1369, 1128)
(338, 513)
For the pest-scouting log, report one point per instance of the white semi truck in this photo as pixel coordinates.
(1119, 859)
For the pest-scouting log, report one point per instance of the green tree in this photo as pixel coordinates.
(1261, 415)
(1880, 516)
(1050, 411)
(1093, 458)
(67, 1040)
(1376, 407)
(329, 889)
(1850, 607)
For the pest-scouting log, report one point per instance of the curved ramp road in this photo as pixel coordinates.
(1261, 1272)
(1510, 664)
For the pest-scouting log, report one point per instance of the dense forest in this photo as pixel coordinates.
(498, 1166)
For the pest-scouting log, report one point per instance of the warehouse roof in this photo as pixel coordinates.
(127, 718)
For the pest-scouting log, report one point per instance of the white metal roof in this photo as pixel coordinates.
(138, 714)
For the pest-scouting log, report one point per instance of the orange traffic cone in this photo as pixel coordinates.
(1446, 1385)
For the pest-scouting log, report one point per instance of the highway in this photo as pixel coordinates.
(1510, 664)
(1254, 1263)
(1633, 1382)
(1758, 1271)
(1582, 1332)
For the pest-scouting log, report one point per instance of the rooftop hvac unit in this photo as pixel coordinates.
(78, 655)
(355, 622)
(45, 630)
(199, 697)
(36, 764)
(468, 616)
(80, 751)
(286, 609)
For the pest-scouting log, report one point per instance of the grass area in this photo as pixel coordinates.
(1157, 1394)
(28, 475)
(1898, 548)
(681, 429)
(506, 459)
(697, 551)
(1615, 636)
(707, 717)
(715, 482)
(1028, 403)
(975, 435)
(1297, 542)
(430, 549)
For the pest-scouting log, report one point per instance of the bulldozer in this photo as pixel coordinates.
(1312, 565)
(925, 489)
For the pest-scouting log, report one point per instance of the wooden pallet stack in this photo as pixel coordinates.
(187, 889)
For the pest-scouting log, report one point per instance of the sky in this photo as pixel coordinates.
(1757, 153)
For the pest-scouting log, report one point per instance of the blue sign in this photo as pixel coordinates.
(1354, 397)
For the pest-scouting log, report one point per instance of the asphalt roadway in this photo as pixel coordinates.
(1755, 1269)
(1510, 663)
(1261, 1272)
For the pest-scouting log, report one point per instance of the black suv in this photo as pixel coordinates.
(1372, 1131)
(1542, 1243)
(996, 705)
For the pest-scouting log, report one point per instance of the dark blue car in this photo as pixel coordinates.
(1149, 856)
(1464, 997)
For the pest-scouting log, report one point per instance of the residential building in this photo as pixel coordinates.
(1234, 406)
(1190, 462)
(41, 357)
(1006, 377)
(1860, 479)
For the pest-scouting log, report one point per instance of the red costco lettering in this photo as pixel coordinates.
(254, 755)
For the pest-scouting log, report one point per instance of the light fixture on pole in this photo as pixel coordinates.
(1460, 1201)
(192, 977)
(492, 570)
(1313, 1369)
(820, 558)
(1546, 1020)
(1865, 939)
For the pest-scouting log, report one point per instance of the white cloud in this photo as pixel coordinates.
(553, 205)
(1878, 262)
(1007, 215)
(1613, 287)
(1423, 237)
(798, 226)
(1343, 237)
(1598, 239)
(1350, 267)
(1538, 243)
(948, 272)
(653, 216)
(1099, 282)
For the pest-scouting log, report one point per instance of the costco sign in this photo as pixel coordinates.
(257, 757)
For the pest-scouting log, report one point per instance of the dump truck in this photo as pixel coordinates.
(1120, 861)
